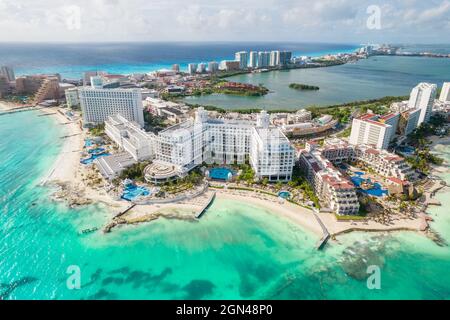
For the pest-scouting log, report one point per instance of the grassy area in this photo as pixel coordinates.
(98, 130)
(135, 172)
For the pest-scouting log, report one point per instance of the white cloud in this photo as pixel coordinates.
(156, 20)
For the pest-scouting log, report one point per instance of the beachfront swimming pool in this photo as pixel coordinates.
(131, 192)
(376, 191)
(88, 143)
(96, 150)
(224, 174)
(284, 194)
(93, 157)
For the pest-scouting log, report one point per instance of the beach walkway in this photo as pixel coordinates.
(326, 235)
(207, 205)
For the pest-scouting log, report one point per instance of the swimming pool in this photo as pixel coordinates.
(88, 143)
(93, 157)
(224, 174)
(284, 194)
(376, 191)
(131, 192)
(96, 150)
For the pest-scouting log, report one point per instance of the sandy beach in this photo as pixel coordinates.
(7, 106)
(299, 215)
(66, 165)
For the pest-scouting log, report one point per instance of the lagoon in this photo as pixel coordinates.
(371, 78)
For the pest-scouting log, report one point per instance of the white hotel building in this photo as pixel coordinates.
(374, 130)
(422, 97)
(445, 92)
(213, 141)
(98, 104)
(130, 137)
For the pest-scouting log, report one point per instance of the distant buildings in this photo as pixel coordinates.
(89, 74)
(8, 73)
(72, 99)
(422, 97)
(98, 105)
(274, 58)
(5, 87)
(201, 68)
(263, 59)
(285, 58)
(213, 67)
(176, 68)
(229, 65)
(445, 92)
(374, 130)
(253, 60)
(192, 68)
(242, 57)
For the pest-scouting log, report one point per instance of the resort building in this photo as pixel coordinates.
(330, 185)
(274, 58)
(98, 105)
(192, 68)
(253, 60)
(445, 92)
(229, 65)
(242, 57)
(130, 137)
(201, 68)
(8, 73)
(213, 67)
(285, 58)
(271, 154)
(263, 59)
(384, 163)
(5, 88)
(422, 97)
(182, 147)
(374, 130)
(72, 99)
(408, 121)
(113, 165)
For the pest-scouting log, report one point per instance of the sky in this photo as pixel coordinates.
(345, 21)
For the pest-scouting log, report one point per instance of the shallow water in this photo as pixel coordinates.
(236, 251)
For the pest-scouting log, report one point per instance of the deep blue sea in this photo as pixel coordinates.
(71, 60)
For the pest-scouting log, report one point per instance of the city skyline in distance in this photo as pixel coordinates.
(344, 21)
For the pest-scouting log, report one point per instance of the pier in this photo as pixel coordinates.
(326, 235)
(114, 222)
(208, 204)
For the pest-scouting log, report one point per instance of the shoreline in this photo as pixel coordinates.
(64, 168)
(67, 174)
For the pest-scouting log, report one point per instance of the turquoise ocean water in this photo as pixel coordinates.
(235, 252)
